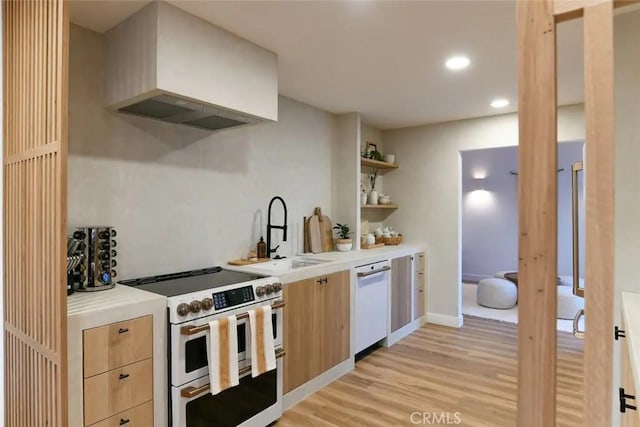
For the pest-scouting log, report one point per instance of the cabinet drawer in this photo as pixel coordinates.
(419, 261)
(117, 390)
(118, 344)
(140, 416)
(419, 297)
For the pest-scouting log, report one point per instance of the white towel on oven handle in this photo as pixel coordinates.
(262, 361)
(222, 377)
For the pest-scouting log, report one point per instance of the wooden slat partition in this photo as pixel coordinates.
(35, 46)
(537, 201)
(599, 196)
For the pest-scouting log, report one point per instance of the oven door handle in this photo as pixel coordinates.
(192, 330)
(191, 392)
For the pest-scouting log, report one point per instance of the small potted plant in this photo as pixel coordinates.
(343, 243)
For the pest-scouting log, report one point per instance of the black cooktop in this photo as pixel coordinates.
(171, 285)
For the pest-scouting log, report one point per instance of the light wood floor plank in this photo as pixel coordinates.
(471, 370)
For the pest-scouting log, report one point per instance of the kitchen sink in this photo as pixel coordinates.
(300, 262)
(277, 266)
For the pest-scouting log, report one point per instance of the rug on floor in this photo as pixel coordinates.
(470, 307)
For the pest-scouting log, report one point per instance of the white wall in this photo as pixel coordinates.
(490, 217)
(627, 180)
(346, 173)
(427, 188)
(185, 198)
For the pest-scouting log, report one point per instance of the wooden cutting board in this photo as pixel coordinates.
(326, 231)
(315, 234)
(245, 261)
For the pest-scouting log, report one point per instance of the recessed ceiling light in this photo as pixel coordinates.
(456, 63)
(499, 103)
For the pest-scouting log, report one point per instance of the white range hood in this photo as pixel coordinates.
(167, 64)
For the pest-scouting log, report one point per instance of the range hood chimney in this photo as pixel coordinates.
(166, 64)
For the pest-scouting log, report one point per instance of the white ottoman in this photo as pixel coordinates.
(568, 303)
(497, 293)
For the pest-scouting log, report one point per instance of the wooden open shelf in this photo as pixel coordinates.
(391, 206)
(376, 164)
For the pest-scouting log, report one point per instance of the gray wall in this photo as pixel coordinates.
(490, 218)
(185, 198)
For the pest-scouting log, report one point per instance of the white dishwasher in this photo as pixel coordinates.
(372, 303)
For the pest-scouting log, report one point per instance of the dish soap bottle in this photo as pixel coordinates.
(262, 248)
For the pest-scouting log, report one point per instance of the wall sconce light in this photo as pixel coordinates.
(478, 184)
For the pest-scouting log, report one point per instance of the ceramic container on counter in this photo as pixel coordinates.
(344, 245)
(373, 197)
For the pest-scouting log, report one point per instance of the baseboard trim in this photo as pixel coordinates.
(445, 320)
(307, 389)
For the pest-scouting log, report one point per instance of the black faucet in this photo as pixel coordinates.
(270, 227)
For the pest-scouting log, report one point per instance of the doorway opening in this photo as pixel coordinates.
(489, 233)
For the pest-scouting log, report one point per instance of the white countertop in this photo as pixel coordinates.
(89, 303)
(336, 261)
(631, 313)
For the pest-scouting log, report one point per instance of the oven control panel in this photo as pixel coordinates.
(233, 297)
(206, 303)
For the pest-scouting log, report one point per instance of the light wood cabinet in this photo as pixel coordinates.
(117, 390)
(118, 344)
(401, 292)
(118, 373)
(316, 327)
(419, 286)
(419, 261)
(140, 416)
(630, 418)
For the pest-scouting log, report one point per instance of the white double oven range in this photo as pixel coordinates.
(194, 298)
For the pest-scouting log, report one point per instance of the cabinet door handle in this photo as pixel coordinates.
(369, 273)
(123, 376)
(124, 421)
(623, 401)
(324, 280)
(123, 330)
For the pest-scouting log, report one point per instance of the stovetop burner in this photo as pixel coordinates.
(186, 282)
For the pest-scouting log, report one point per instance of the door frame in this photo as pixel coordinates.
(537, 77)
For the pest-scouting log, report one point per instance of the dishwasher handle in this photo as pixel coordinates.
(371, 273)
